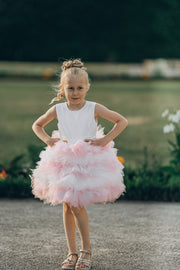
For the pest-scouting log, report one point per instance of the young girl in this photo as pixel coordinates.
(79, 165)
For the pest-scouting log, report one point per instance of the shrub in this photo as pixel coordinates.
(149, 181)
(15, 187)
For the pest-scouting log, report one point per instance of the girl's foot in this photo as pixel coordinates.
(70, 262)
(84, 260)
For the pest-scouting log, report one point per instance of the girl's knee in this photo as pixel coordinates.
(76, 210)
(66, 207)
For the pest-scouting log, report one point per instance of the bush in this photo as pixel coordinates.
(150, 181)
(150, 185)
(15, 187)
(33, 152)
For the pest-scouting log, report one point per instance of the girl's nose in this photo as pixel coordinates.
(75, 91)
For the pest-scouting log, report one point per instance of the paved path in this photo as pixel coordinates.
(124, 235)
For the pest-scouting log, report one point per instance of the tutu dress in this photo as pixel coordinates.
(76, 172)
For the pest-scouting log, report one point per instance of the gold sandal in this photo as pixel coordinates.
(82, 261)
(70, 261)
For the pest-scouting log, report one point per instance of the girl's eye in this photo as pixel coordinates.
(80, 87)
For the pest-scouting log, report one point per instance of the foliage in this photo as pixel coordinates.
(14, 168)
(111, 31)
(15, 187)
(173, 126)
(150, 182)
(17, 168)
(158, 182)
(33, 152)
(15, 182)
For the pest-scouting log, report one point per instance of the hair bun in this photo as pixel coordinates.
(73, 63)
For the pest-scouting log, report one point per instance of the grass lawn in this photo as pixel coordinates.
(141, 102)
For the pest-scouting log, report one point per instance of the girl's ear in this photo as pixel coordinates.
(88, 86)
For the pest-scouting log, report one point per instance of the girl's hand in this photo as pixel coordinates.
(52, 141)
(97, 142)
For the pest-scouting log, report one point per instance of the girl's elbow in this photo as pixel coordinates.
(126, 122)
(34, 125)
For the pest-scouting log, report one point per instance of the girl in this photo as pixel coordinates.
(79, 165)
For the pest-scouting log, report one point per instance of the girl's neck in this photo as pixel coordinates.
(76, 107)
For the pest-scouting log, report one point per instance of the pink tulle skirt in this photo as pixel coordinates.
(78, 174)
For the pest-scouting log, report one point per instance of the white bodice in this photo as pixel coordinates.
(76, 125)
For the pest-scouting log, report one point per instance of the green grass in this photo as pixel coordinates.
(141, 102)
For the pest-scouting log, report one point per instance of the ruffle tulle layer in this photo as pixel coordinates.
(78, 174)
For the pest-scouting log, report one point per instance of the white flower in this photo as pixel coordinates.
(178, 113)
(165, 113)
(170, 117)
(175, 118)
(168, 128)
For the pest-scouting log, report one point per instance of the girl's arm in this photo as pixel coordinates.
(42, 121)
(120, 124)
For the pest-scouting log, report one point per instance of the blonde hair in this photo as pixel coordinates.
(69, 68)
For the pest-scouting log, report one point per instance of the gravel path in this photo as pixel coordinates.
(126, 235)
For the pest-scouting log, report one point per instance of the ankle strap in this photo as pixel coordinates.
(72, 253)
(86, 251)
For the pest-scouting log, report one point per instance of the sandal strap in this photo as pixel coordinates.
(85, 251)
(83, 260)
(72, 253)
(68, 260)
(79, 263)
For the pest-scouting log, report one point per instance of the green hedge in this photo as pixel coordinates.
(154, 185)
(149, 181)
(140, 185)
(15, 187)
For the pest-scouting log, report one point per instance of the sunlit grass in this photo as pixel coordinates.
(23, 101)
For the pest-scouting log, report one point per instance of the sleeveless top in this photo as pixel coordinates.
(76, 125)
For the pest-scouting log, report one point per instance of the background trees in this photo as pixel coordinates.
(126, 30)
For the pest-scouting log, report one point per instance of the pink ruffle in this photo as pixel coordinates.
(78, 174)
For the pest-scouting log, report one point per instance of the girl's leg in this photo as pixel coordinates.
(82, 222)
(70, 228)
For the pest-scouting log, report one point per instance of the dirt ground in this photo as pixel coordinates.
(125, 235)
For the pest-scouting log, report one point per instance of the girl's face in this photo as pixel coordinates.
(75, 88)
